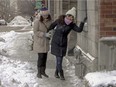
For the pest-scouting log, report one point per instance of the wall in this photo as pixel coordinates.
(107, 52)
(107, 18)
(88, 40)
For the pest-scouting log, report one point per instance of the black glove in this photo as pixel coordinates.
(85, 19)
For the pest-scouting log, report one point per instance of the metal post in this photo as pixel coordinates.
(49, 5)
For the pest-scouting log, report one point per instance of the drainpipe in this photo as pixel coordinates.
(49, 5)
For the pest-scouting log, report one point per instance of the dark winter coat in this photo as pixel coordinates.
(59, 40)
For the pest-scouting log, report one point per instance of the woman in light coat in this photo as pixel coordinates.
(41, 41)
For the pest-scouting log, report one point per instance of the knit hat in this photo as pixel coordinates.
(72, 12)
(44, 11)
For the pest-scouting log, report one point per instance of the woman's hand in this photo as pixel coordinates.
(48, 35)
(85, 19)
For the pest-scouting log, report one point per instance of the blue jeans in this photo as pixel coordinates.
(59, 61)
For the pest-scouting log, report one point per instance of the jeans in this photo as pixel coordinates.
(59, 61)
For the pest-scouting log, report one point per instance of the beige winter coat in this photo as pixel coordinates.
(41, 43)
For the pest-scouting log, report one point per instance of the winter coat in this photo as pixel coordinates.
(59, 40)
(41, 43)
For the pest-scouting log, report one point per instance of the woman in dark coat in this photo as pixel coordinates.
(62, 28)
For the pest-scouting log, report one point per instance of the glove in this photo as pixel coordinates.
(48, 35)
(85, 19)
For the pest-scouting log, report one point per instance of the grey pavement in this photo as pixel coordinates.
(50, 69)
(54, 82)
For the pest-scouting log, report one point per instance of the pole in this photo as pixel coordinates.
(49, 5)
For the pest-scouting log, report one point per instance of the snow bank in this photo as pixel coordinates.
(16, 44)
(16, 73)
(102, 79)
(18, 21)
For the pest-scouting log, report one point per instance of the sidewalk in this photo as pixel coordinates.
(52, 81)
(69, 72)
(71, 79)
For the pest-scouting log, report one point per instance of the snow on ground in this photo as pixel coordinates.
(15, 42)
(102, 79)
(16, 73)
(19, 21)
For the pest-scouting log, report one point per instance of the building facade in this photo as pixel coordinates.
(95, 42)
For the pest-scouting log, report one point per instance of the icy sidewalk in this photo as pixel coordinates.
(17, 73)
(69, 72)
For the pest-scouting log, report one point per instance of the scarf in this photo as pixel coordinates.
(67, 21)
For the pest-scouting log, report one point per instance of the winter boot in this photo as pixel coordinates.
(56, 74)
(39, 73)
(43, 72)
(62, 75)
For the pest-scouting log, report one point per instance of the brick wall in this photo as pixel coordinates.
(107, 18)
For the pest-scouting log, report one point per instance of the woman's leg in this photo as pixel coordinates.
(44, 65)
(58, 66)
(59, 69)
(59, 63)
(39, 65)
(40, 60)
(44, 59)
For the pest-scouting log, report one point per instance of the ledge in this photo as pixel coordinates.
(110, 41)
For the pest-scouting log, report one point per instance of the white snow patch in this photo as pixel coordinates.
(15, 43)
(18, 21)
(104, 78)
(15, 73)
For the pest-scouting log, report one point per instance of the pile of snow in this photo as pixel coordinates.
(16, 73)
(16, 44)
(18, 21)
(102, 79)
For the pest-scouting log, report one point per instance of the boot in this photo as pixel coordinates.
(56, 74)
(39, 73)
(43, 72)
(62, 75)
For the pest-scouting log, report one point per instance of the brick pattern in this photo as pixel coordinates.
(107, 18)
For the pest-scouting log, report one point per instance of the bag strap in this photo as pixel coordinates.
(45, 25)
